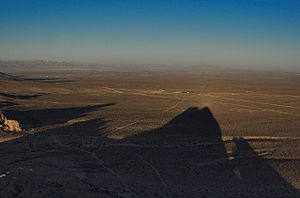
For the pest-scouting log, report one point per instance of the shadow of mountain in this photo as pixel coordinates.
(4, 76)
(184, 158)
(41, 117)
(53, 163)
(42, 79)
(193, 123)
(20, 97)
(53, 157)
(7, 104)
(187, 156)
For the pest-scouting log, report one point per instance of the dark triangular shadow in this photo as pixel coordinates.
(193, 126)
(192, 122)
(191, 157)
(184, 158)
(187, 152)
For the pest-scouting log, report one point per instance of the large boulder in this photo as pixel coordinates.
(7, 125)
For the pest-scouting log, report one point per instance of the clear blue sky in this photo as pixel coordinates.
(258, 33)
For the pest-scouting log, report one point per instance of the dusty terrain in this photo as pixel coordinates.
(210, 133)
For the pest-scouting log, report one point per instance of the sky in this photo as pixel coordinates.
(241, 33)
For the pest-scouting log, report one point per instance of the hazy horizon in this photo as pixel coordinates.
(244, 34)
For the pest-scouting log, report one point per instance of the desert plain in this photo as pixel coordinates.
(203, 133)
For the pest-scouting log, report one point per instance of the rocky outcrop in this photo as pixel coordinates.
(7, 125)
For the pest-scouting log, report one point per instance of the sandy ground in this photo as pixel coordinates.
(151, 134)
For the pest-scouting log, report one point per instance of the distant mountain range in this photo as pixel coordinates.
(36, 65)
(15, 66)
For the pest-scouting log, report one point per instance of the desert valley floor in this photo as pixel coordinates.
(209, 133)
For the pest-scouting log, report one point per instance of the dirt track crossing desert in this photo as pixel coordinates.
(151, 134)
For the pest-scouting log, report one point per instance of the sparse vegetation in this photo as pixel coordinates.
(148, 134)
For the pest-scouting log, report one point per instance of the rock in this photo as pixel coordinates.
(7, 125)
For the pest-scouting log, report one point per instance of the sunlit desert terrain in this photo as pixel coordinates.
(204, 133)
